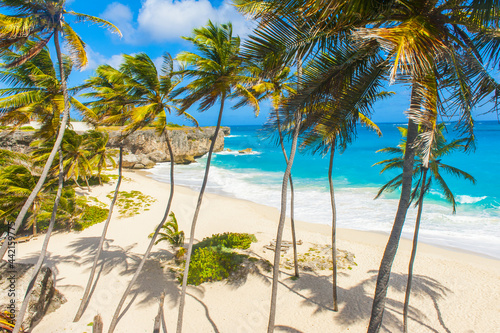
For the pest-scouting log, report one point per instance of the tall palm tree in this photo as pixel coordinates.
(43, 251)
(331, 124)
(274, 82)
(440, 149)
(102, 157)
(40, 21)
(431, 45)
(218, 73)
(154, 99)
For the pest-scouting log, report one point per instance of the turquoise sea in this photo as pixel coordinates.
(257, 177)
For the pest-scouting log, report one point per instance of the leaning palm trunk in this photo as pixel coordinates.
(116, 315)
(414, 251)
(281, 224)
(86, 294)
(57, 144)
(292, 200)
(334, 230)
(41, 257)
(392, 245)
(195, 218)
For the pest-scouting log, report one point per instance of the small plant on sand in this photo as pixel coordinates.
(170, 232)
(132, 203)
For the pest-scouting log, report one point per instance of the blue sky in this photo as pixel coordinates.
(156, 26)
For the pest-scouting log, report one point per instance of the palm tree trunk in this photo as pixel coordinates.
(114, 320)
(414, 251)
(281, 224)
(86, 293)
(292, 200)
(392, 245)
(334, 229)
(57, 144)
(195, 218)
(41, 257)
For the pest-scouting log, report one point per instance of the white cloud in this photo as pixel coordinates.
(121, 16)
(167, 20)
(95, 59)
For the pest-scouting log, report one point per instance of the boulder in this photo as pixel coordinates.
(45, 298)
(184, 159)
(245, 151)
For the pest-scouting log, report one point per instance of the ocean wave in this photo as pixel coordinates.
(235, 136)
(467, 199)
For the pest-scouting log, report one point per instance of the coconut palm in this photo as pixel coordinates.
(448, 41)
(274, 82)
(152, 92)
(40, 21)
(218, 73)
(101, 157)
(331, 125)
(440, 149)
(43, 251)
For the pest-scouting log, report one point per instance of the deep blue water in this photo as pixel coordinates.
(257, 177)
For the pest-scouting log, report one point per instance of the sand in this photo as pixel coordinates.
(452, 291)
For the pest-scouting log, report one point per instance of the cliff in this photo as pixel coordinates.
(143, 148)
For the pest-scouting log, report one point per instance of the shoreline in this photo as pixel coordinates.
(151, 175)
(451, 290)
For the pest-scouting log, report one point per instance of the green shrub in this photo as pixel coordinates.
(27, 128)
(230, 240)
(212, 264)
(91, 215)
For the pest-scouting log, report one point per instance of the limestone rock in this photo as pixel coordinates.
(45, 298)
(184, 159)
(245, 151)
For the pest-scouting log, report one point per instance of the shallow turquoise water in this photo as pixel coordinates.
(257, 177)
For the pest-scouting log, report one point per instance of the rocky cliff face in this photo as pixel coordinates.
(143, 148)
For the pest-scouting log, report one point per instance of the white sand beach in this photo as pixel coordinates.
(452, 291)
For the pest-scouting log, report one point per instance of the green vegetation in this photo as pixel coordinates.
(91, 215)
(171, 232)
(213, 258)
(230, 240)
(212, 264)
(132, 203)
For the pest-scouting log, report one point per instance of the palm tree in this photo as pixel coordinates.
(153, 99)
(432, 46)
(275, 82)
(440, 149)
(218, 73)
(102, 157)
(40, 21)
(43, 251)
(331, 124)
(172, 233)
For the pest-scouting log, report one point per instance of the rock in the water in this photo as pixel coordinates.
(184, 159)
(245, 151)
(45, 298)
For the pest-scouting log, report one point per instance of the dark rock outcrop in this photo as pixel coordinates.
(144, 148)
(45, 298)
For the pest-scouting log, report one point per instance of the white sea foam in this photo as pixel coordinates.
(356, 208)
(466, 199)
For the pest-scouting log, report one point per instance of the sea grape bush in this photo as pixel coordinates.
(230, 240)
(213, 259)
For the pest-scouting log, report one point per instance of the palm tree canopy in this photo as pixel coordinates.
(436, 167)
(438, 45)
(217, 70)
(39, 21)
